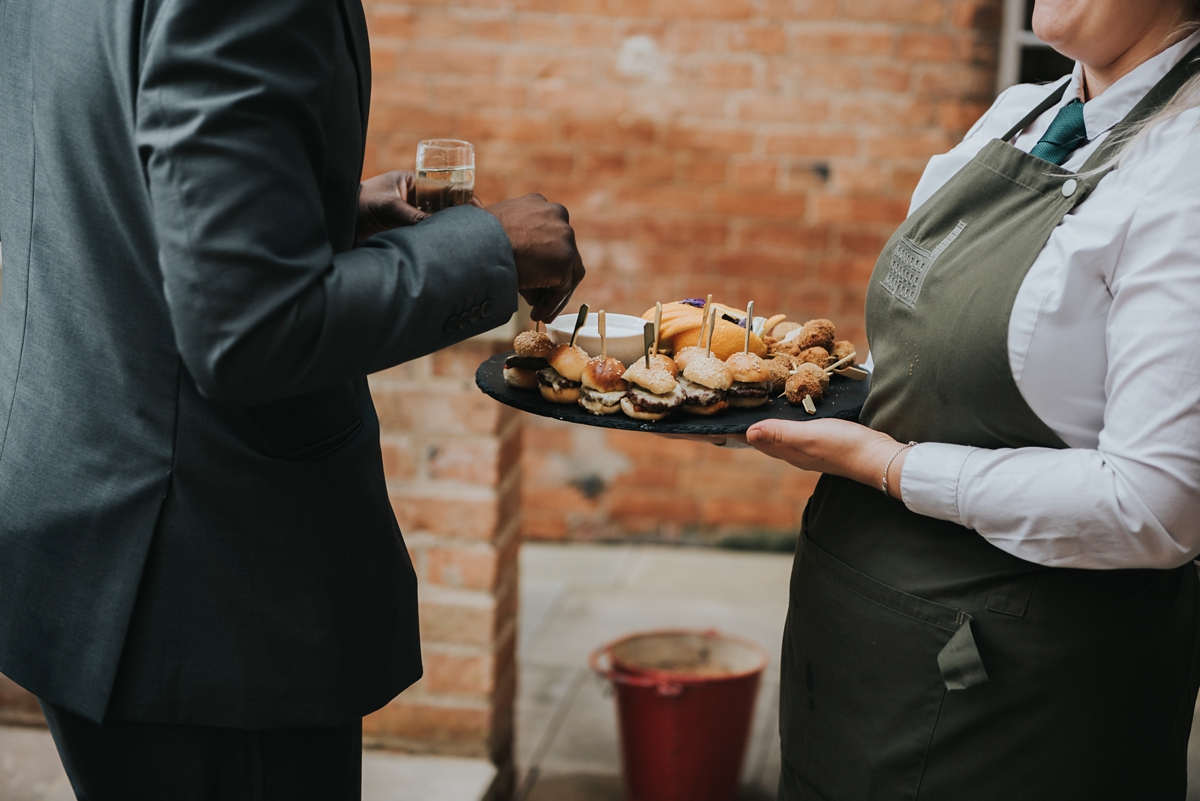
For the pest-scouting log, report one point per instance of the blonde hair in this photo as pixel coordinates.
(1188, 97)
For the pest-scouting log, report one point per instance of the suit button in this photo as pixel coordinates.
(486, 308)
(475, 315)
(451, 325)
(464, 319)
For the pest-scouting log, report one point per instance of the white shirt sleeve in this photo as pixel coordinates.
(1134, 499)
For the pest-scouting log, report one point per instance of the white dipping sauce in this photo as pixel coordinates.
(623, 331)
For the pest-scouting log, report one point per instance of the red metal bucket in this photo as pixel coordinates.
(685, 703)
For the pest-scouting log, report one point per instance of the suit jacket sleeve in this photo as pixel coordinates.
(232, 145)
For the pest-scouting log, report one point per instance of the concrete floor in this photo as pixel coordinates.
(30, 771)
(577, 597)
(573, 599)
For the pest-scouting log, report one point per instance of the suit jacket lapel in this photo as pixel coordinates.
(360, 50)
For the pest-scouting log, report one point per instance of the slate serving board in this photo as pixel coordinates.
(844, 400)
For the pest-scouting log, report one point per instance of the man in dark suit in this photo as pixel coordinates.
(200, 573)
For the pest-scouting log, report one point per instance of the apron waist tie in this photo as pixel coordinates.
(959, 660)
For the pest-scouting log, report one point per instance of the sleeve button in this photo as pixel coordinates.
(451, 325)
(475, 315)
(464, 319)
(486, 308)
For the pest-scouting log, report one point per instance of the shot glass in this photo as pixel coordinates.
(445, 174)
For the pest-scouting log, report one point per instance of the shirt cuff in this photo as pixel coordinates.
(929, 479)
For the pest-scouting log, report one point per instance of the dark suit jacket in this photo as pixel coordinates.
(194, 525)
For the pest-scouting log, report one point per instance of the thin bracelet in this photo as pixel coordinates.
(888, 466)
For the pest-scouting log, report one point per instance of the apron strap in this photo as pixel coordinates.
(1041, 109)
(1158, 97)
(959, 660)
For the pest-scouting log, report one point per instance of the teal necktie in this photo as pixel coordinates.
(1064, 135)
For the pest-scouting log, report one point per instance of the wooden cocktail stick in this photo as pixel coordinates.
(579, 321)
(603, 338)
(712, 327)
(704, 319)
(647, 341)
(657, 323)
(839, 363)
(749, 325)
(808, 404)
(853, 373)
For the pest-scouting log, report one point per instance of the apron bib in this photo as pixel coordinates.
(919, 660)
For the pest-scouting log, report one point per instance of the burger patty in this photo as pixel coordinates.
(603, 398)
(699, 395)
(526, 363)
(553, 379)
(759, 389)
(649, 402)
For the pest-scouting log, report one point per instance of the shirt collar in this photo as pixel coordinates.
(1102, 113)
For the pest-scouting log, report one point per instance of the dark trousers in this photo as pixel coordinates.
(121, 761)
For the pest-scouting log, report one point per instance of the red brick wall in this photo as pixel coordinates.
(451, 456)
(755, 149)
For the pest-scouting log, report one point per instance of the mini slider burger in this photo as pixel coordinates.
(653, 392)
(751, 375)
(532, 350)
(662, 360)
(697, 351)
(561, 381)
(603, 387)
(751, 381)
(705, 381)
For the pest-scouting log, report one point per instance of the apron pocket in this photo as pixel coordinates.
(865, 668)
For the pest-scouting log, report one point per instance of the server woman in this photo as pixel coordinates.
(1015, 616)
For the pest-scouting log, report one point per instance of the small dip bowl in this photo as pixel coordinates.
(624, 334)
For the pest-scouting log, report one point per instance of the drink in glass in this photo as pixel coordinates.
(445, 174)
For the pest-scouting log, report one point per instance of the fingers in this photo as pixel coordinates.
(707, 439)
(548, 303)
(401, 213)
(555, 299)
(383, 213)
(406, 185)
(547, 258)
(766, 432)
(383, 204)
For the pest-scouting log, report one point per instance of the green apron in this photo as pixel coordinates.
(919, 660)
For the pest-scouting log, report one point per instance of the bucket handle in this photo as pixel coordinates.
(669, 689)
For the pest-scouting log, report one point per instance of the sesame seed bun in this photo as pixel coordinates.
(569, 361)
(533, 345)
(748, 368)
(604, 375)
(652, 379)
(711, 372)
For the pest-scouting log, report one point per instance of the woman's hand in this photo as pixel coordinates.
(720, 440)
(838, 447)
(385, 202)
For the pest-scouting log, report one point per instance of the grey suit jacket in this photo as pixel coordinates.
(194, 524)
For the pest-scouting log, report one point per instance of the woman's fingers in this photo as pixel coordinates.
(783, 440)
(778, 433)
(839, 447)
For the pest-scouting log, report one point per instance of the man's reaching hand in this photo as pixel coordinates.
(548, 263)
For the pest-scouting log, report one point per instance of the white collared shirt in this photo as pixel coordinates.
(1104, 344)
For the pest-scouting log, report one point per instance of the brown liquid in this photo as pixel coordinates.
(441, 189)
